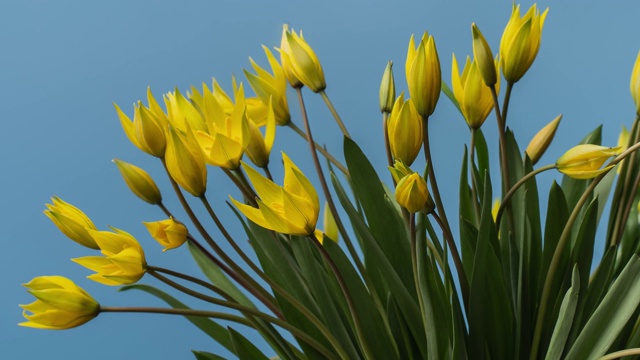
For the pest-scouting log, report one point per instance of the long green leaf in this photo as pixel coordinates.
(565, 318)
(203, 355)
(245, 350)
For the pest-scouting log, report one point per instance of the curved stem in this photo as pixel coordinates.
(343, 128)
(462, 277)
(322, 150)
(628, 165)
(267, 172)
(621, 353)
(627, 209)
(516, 186)
(248, 193)
(474, 184)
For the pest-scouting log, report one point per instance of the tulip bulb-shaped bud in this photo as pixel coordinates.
(471, 93)
(145, 131)
(399, 170)
(139, 182)
(72, 222)
(542, 140)
(483, 57)
(412, 193)
(270, 88)
(520, 42)
(387, 89)
(185, 162)
(169, 233)
(423, 74)
(584, 161)
(259, 148)
(300, 63)
(635, 84)
(60, 304)
(405, 131)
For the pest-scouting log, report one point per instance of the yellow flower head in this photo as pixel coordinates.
(169, 233)
(542, 140)
(185, 162)
(299, 61)
(423, 74)
(182, 112)
(471, 93)
(412, 193)
(405, 130)
(270, 88)
(584, 161)
(60, 304)
(146, 131)
(123, 261)
(259, 147)
(71, 221)
(635, 83)
(139, 182)
(520, 42)
(291, 209)
(484, 57)
(399, 170)
(387, 89)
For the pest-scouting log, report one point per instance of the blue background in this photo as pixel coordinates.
(63, 63)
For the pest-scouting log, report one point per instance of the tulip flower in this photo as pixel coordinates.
(60, 304)
(520, 42)
(471, 92)
(169, 233)
(185, 162)
(423, 74)
(412, 193)
(387, 89)
(484, 57)
(399, 170)
(405, 130)
(139, 182)
(123, 261)
(292, 209)
(71, 221)
(300, 63)
(270, 88)
(259, 147)
(145, 131)
(542, 140)
(584, 161)
(635, 84)
(182, 113)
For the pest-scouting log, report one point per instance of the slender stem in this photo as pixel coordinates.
(516, 186)
(507, 99)
(164, 209)
(627, 209)
(621, 353)
(243, 179)
(628, 165)
(322, 150)
(248, 193)
(474, 184)
(217, 290)
(414, 263)
(462, 277)
(224, 316)
(343, 128)
(267, 172)
(385, 131)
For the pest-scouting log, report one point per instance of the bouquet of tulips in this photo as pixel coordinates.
(383, 275)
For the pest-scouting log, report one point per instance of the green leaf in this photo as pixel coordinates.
(565, 318)
(482, 153)
(203, 355)
(245, 350)
(611, 316)
(447, 91)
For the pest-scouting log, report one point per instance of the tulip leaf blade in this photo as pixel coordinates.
(565, 318)
(245, 350)
(204, 355)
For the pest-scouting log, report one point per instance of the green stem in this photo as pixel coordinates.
(248, 193)
(462, 277)
(267, 172)
(387, 146)
(627, 210)
(474, 184)
(507, 100)
(343, 128)
(321, 149)
(416, 275)
(621, 353)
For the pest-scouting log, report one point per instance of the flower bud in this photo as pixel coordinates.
(259, 147)
(185, 162)
(387, 89)
(542, 140)
(412, 193)
(423, 74)
(399, 170)
(145, 131)
(405, 131)
(483, 57)
(584, 161)
(635, 84)
(300, 61)
(72, 222)
(270, 88)
(139, 182)
(169, 233)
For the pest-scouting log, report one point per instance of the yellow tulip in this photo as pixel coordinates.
(405, 130)
(270, 88)
(423, 74)
(60, 304)
(139, 182)
(584, 161)
(399, 170)
(412, 193)
(182, 112)
(146, 131)
(387, 89)
(471, 93)
(71, 221)
(520, 42)
(635, 84)
(484, 57)
(259, 147)
(291, 209)
(169, 233)
(300, 63)
(185, 162)
(542, 140)
(123, 261)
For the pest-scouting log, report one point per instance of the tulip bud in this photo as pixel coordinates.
(412, 193)
(300, 63)
(145, 131)
(635, 84)
(483, 57)
(542, 140)
(423, 74)
(584, 161)
(259, 148)
(270, 88)
(405, 131)
(169, 233)
(399, 170)
(387, 89)
(72, 222)
(139, 182)
(185, 162)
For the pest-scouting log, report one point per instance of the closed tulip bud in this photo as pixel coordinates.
(139, 182)
(471, 93)
(169, 233)
(72, 222)
(483, 57)
(185, 162)
(635, 84)
(520, 42)
(405, 131)
(259, 148)
(123, 262)
(270, 88)
(145, 131)
(60, 304)
(542, 140)
(387, 89)
(412, 193)
(300, 63)
(423, 74)
(584, 161)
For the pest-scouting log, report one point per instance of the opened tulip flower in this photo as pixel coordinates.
(584, 161)
(290, 209)
(471, 93)
(300, 61)
(270, 88)
(60, 304)
(139, 182)
(123, 261)
(169, 233)
(520, 42)
(72, 222)
(423, 74)
(405, 131)
(185, 162)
